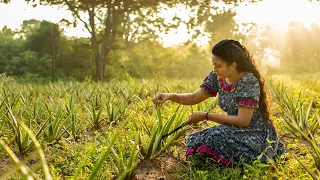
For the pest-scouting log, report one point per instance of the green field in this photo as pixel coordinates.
(112, 130)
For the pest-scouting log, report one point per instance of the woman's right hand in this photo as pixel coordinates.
(160, 98)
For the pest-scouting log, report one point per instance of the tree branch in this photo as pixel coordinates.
(97, 16)
(107, 30)
(132, 38)
(73, 10)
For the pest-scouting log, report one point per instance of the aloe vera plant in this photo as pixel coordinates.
(22, 138)
(117, 108)
(56, 123)
(301, 119)
(105, 154)
(27, 172)
(156, 142)
(125, 167)
(95, 116)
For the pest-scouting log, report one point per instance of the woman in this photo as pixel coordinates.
(246, 132)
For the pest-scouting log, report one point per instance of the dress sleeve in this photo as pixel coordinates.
(211, 84)
(248, 92)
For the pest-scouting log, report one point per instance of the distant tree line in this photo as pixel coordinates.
(124, 43)
(117, 26)
(297, 48)
(31, 51)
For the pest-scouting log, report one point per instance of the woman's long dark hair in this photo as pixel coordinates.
(232, 51)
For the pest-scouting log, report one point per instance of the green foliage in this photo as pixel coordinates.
(27, 172)
(9, 46)
(105, 154)
(29, 62)
(43, 38)
(303, 121)
(150, 59)
(61, 112)
(131, 48)
(75, 58)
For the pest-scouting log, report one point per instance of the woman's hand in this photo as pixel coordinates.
(196, 117)
(160, 98)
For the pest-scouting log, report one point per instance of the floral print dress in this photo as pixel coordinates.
(228, 144)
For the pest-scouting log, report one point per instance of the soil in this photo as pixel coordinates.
(166, 166)
(5, 164)
(163, 168)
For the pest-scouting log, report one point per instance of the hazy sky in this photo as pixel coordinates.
(276, 12)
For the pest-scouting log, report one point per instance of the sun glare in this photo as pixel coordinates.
(271, 58)
(279, 13)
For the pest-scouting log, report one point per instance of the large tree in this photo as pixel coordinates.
(109, 22)
(114, 23)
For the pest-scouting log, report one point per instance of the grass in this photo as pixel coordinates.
(107, 130)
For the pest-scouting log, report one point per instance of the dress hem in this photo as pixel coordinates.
(210, 151)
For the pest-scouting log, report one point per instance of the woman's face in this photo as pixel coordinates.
(221, 68)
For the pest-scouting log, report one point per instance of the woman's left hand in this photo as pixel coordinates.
(196, 117)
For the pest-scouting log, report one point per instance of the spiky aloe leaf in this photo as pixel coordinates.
(170, 121)
(133, 151)
(166, 146)
(105, 154)
(151, 143)
(306, 168)
(45, 167)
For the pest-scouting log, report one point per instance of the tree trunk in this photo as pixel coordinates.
(102, 66)
(94, 44)
(100, 54)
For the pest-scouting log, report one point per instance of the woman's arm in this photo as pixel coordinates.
(185, 98)
(190, 98)
(243, 118)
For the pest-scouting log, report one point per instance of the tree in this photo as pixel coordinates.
(29, 27)
(75, 58)
(109, 21)
(29, 62)
(300, 49)
(42, 38)
(9, 46)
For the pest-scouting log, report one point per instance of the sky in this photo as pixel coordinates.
(280, 12)
(275, 12)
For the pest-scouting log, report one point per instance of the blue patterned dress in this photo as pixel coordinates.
(228, 144)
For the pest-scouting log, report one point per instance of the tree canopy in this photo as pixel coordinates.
(125, 40)
(115, 24)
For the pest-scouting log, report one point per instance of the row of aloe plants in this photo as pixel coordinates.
(301, 119)
(149, 142)
(53, 114)
(142, 149)
(56, 111)
(30, 172)
(54, 118)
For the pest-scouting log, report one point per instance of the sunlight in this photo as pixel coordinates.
(271, 57)
(279, 13)
(23, 11)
